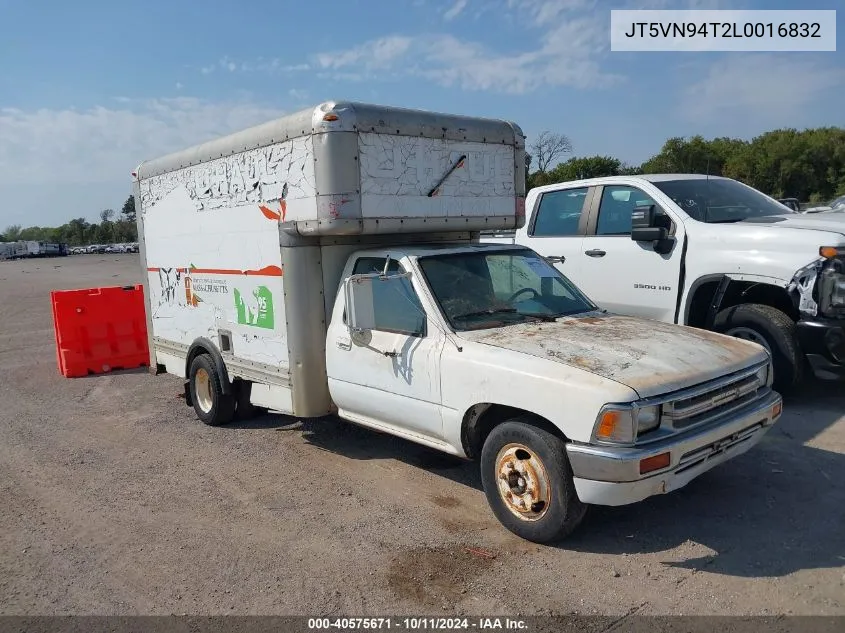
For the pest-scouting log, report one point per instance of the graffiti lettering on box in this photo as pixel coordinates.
(260, 175)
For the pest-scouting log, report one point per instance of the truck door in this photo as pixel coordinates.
(629, 277)
(390, 374)
(556, 231)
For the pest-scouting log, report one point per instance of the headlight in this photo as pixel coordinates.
(621, 424)
(648, 418)
(831, 283)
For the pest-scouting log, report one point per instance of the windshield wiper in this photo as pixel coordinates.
(728, 221)
(469, 315)
(548, 318)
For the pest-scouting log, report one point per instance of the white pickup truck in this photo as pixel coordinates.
(329, 263)
(708, 252)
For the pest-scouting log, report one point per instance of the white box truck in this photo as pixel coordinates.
(329, 263)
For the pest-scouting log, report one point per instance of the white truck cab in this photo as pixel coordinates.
(703, 251)
(330, 263)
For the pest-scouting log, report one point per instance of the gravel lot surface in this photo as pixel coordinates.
(115, 499)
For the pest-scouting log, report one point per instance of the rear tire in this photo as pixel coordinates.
(527, 479)
(772, 329)
(213, 407)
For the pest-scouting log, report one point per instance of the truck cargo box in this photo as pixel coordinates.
(345, 168)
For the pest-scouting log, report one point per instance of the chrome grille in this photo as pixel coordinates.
(705, 404)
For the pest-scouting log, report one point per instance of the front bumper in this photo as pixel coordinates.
(823, 343)
(610, 476)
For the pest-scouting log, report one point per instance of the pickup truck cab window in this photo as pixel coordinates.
(617, 203)
(720, 200)
(397, 312)
(480, 290)
(559, 213)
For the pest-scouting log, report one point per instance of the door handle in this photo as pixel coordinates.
(595, 252)
(391, 354)
(555, 259)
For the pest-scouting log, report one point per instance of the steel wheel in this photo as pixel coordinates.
(202, 382)
(523, 482)
(747, 334)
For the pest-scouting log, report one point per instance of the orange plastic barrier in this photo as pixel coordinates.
(100, 330)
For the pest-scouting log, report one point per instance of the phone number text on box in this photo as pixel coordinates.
(693, 30)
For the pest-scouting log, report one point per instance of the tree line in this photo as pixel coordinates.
(788, 163)
(80, 232)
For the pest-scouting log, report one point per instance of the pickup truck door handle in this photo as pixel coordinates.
(595, 252)
(555, 259)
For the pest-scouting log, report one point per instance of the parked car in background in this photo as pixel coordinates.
(709, 252)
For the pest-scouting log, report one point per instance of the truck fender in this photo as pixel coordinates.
(204, 346)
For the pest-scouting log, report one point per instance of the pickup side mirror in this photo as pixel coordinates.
(648, 226)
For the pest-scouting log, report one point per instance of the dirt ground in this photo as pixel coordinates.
(115, 499)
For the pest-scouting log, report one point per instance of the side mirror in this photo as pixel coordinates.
(359, 298)
(648, 226)
(649, 234)
(360, 303)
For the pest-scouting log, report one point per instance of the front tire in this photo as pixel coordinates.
(528, 482)
(772, 329)
(212, 406)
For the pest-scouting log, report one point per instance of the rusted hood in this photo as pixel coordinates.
(650, 357)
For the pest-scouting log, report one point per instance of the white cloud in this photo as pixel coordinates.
(455, 10)
(179, 85)
(274, 65)
(101, 142)
(64, 163)
(565, 55)
(765, 88)
(374, 54)
(299, 95)
(545, 12)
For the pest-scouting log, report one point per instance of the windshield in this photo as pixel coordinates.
(716, 200)
(494, 288)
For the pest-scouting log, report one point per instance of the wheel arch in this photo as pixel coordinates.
(481, 418)
(203, 345)
(710, 294)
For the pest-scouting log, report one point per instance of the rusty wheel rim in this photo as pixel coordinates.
(523, 482)
(202, 388)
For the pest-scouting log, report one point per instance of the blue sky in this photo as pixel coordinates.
(89, 89)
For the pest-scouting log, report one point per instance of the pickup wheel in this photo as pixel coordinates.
(213, 407)
(527, 478)
(772, 329)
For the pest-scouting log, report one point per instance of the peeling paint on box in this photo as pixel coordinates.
(398, 172)
(254, 176)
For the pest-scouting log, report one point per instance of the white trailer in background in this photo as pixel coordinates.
(329, 262)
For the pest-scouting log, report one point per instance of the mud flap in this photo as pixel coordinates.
(188, 400)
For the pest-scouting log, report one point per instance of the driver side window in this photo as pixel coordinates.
(617, 203)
